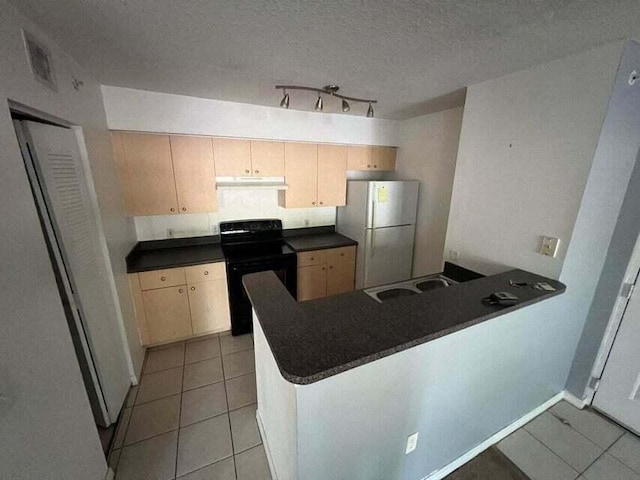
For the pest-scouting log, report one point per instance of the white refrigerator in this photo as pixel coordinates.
(381, 217)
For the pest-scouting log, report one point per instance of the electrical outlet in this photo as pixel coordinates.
(306, 222)
(215, 229)
(412, 443)
(549, 246)
(454, 254)
(169, 232)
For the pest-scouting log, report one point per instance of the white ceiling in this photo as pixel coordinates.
(406, 54)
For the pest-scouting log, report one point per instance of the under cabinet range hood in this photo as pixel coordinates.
(262, 183)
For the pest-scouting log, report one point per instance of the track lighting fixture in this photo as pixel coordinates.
(284, 103)
(327, 90)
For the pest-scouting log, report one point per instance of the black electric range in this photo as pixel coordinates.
(252, 246)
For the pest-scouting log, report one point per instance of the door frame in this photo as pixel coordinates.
(615, 319)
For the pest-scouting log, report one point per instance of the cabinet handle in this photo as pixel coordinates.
(312, 259)
(193, 289)
(313, 203)
(257, 171)
(173, 209)
(206, 272)
(368, 166)
(163, 279)
(342, 254)
(323, 268)
(330, 266)
(321, 203)
(375, 166)
(184, 209)
(180, 291)
(247, 171)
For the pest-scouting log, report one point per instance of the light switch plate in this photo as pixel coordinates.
(412, 443)
(549, 246)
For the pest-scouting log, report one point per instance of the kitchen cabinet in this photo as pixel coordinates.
(195, 175)
(371, 158)
(232, 157)
(177, 303)
(267, 159)
(148, 174)
(326, 272)
(316, 176)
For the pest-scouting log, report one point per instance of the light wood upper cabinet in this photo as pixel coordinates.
(312, 282)
(120, 161)
(267, 159)
(359, 157)
(209, 304)
(232, 157)
(167, 314)
(150, 185)
(341, 270)
(332, 175)
(384, 158)
(195, 175)
(301, 173)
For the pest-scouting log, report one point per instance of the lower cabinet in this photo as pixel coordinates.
(195, 301)
(326, 272)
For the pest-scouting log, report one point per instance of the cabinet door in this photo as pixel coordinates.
(267, 159)
(341, 270)
(358, 157)
(120, 161)
(332, 175)
(194, 173)
(301, 173)
(152, 188)
(312, 282)
(167, 313)
(209, 303)
(384, 158)
(232, 158)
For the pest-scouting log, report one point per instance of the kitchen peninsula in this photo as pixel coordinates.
(343, 381)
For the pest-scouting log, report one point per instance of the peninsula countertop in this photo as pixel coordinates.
(316, 339)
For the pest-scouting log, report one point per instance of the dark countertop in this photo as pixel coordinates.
(316, 339)
(183, 252)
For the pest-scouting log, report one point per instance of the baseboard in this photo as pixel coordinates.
(575, 401)
(505, 432)
(265, 443)
(110, 475)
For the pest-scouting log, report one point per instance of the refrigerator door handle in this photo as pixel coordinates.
(373, 242)
(373, 210)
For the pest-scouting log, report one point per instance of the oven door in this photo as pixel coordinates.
(240, 305)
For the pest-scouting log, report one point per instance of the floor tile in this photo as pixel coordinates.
(489, 465)
(123, 423)
(114, 457)
(609, 468)
(237, 364)
(202, 350)
(153, 418)
(564, 441)
(202, 403)
(534, 459)
(627, 450)
(244, 428)
(222, 470)
(164, 359)
(159, 385)
(202, 337)
(252, 464)
(153, 459)
(202, 373)
(166, 346)
(131, 396)
(230, 344)
(595, 427)
(204, 443)
(241, 391)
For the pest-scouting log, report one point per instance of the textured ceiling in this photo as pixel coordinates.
(414, 56)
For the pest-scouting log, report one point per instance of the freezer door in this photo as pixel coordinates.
(388, 255)
(392, 203)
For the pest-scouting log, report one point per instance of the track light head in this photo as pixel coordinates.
(345, 106)
(319, 104)
(284, 103)
(370, 111)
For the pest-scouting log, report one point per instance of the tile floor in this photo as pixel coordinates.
(193, 416)
(565, 443)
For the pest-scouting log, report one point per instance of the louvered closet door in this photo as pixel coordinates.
(73, 211)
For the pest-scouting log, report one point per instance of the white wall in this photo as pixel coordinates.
(47, 429)
(526, 146)
(428, 146)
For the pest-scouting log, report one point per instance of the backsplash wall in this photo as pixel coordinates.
(232, 205)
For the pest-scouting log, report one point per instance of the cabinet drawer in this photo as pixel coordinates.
(314, 257)
(207, 272)
(161, 278)
(341, 255)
